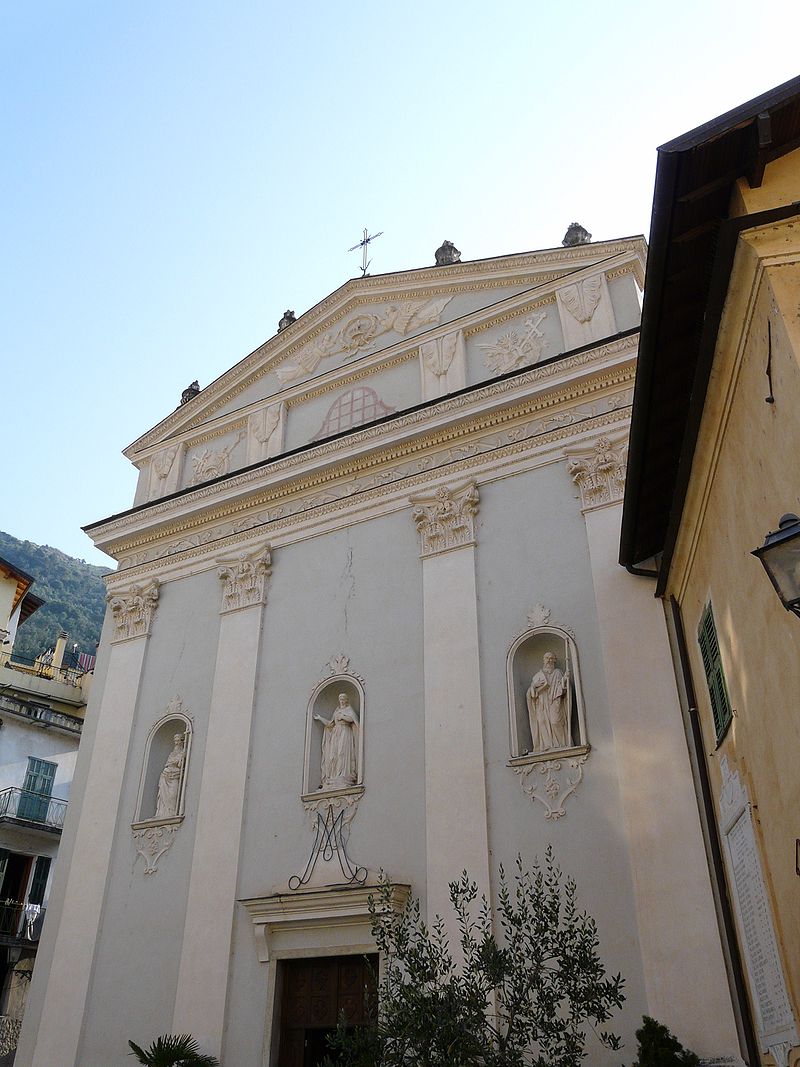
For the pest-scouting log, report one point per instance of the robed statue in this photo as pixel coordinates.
(339, 765)
(549, 709)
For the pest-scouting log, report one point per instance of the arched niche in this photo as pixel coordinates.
(160, 745)
(545, 700)
(324, 702)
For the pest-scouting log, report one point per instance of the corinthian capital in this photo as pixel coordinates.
(132, 611)
(598, 470)
(244, 579)
(446, 518)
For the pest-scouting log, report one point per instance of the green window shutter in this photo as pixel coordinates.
(715, 677)
(39, 882)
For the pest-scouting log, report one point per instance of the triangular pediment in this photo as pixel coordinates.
(366, 316)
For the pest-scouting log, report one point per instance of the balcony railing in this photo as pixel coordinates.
(40, 668)
(40, 713)
(35, 809)
(18, 923)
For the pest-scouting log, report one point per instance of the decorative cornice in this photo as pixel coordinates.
(244, 579)
(445, 519)
(539, 434)
(132, 610)
(410, 285)
(599, 472)
(371, 371)
(449, 406)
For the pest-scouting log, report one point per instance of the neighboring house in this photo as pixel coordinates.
(715, 441)
(367, 616)
(42, 706)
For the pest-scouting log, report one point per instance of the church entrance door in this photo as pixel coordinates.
(316, 993)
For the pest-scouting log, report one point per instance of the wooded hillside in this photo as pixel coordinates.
(73, 591)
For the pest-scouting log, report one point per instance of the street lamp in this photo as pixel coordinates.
(780, 555)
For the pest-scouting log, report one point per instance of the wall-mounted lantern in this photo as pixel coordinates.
(780, 555)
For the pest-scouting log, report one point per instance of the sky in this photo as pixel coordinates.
(176, 174)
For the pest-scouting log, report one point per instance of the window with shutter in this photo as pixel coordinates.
(715, 677)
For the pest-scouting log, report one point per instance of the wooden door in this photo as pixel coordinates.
(316, 993)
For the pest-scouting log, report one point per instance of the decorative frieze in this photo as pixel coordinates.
(446, 519)
(213, 463)
(132, 611)
(513, 349)
(244, 579)
(599, 472)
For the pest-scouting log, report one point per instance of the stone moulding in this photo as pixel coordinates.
(132, 610)
(445, 519)
(282, 921)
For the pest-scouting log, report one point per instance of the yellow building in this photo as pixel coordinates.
(715, 440)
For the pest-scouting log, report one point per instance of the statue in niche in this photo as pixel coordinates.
(549, 707)
(339, 765)
(169, 783)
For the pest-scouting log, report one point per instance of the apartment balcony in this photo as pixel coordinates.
(33, 811)
(40, 714)
(20, 924)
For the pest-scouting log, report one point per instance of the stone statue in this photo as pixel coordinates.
(446, 254)
(548, 707)
(339, 746)
(190, 392)
(169, 784)
(576, 235)
(287, 319)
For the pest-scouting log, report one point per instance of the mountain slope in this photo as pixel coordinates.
(73, 591)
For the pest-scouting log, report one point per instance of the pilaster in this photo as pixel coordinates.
(455, 777)
(678, 932)
(200, 1005)
(64, 1005)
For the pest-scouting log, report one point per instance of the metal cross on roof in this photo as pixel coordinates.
(365, 240)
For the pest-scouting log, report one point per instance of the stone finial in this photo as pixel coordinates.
(287, 319)
(190, 392)
(446, 254)
(576, 235)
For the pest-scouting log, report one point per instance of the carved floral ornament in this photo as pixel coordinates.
(598, 470)
(132, 611)
(546, 714)
(446, 519)
(244, 579)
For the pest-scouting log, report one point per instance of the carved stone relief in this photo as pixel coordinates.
(598, 470)
(586, 311)
(132, 611)
(546, 715)
(446, 519)
(244, 579)
(360, 332)
(443, 365)
(152, 842)
(213, 463)
(265, 429)
(165, 472)
(514, 349)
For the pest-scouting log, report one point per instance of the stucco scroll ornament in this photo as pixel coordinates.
(212, 463)
(599, 472)
(512, 350)
(340, 664)
(361, 331)
(551, 782)
(582, 298)
(132, 611)
(446, 520)
(244, 579)
(152, 842)
(163, 463)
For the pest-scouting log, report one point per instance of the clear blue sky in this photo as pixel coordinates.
(175, 174)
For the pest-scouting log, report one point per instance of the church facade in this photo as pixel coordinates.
(368, 616)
